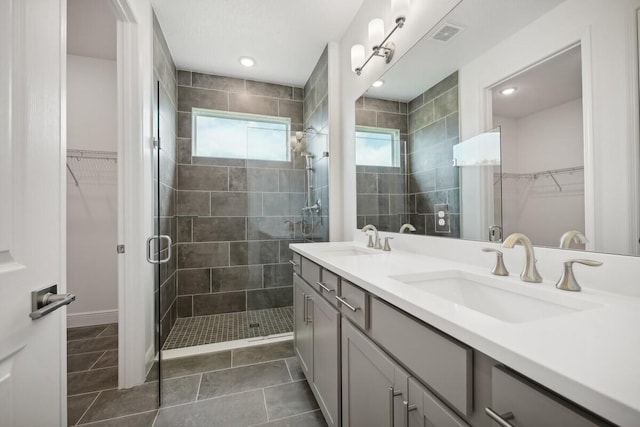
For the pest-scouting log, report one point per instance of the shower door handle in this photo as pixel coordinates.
(159, 239)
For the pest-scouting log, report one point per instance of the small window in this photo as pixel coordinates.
(377, 146)
(240, 136)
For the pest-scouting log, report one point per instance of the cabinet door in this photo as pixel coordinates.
(373, 386)
(528, 405)
(302, 327)
(423, 409)
(326, 358)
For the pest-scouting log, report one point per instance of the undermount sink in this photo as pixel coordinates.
(349, 251)
(493, 298)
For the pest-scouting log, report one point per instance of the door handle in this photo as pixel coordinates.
(408, 408)
(159, 238)
(48, 300)
(392, 393)
(501, 419)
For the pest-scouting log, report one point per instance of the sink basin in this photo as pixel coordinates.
(349, 251)
(495, 298)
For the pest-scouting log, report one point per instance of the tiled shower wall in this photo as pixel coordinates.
(165, 72)
(433, 131)
(235, 217)
(316, 116)
(381, 192)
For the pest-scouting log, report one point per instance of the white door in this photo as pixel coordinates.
(32, 182)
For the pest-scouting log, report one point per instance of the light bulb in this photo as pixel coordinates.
(400, 8)
(376, 32)
(357, 56)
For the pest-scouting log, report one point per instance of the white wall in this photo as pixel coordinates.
(92, 206)
(607, 32)
(545, 140)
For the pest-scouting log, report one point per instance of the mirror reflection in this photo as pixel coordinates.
(540, 115)
(553, 78)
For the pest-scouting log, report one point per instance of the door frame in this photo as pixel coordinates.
(134, 216)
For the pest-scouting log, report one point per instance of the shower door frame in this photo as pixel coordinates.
(135, 211)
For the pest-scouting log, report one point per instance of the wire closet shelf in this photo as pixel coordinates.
(535, 175)
(97, 167)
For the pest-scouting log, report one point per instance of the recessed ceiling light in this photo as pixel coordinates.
(247, 61)
(378, 83)
(508, 91)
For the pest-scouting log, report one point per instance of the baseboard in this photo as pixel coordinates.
(91, 318)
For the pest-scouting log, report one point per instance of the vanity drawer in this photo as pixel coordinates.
(443, 364)
(295, 262)
(533, 406)
(353, 303)
(310, 272)
(329, 286)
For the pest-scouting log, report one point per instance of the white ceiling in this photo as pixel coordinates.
(485, 23)
(91, 29)
(285, 37)
(553, 82)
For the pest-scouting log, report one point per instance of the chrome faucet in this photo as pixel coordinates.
(572, 236)
(407, 227)
(529, 273)
(371, 244)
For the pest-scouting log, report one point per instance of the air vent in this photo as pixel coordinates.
(446, 32)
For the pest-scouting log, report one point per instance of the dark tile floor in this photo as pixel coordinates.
(255, 386)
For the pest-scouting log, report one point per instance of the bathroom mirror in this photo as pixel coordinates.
(567, 174)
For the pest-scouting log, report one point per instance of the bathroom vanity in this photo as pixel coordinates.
(405, 339)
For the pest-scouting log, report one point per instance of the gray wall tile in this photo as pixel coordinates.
(189, 98)
(278, 275)
(200, 255)
(236, 204)
(219, 229)
(208, 178)
(267, 298)
(269, 89)
(236, 278)
(219, 83)
(193, 203)
(242, 103)
(255, 252)
(194, 281)
(225, 302)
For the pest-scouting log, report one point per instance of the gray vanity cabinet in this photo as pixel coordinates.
(373, 386)
(326, 359)
(317, 345)
(303, 326)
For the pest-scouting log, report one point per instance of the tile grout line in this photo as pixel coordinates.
(199, 385)
(96, 362)
(288, 370)
(118, 417)
(266, 409)
(88, 407)
(155, 419)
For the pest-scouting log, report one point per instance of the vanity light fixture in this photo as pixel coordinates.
(384, 49)
(378, 83)
(247, 61)
(508, 91)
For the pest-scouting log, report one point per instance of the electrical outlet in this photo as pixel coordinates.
(443, 220)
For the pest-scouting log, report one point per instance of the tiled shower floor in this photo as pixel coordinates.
(201, 330)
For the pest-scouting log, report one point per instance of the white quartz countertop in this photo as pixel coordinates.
(591, 357)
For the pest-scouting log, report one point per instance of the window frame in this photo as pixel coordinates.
(231, 115)
(395, 135)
